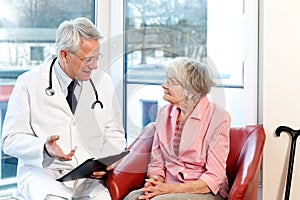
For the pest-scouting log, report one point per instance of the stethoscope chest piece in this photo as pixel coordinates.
(49, 91)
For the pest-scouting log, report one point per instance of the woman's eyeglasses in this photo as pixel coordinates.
(172, 82)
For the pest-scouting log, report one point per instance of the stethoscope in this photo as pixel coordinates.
(50, 91)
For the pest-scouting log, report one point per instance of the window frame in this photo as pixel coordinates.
(109, 17)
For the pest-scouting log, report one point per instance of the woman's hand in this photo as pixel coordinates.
(154, 186)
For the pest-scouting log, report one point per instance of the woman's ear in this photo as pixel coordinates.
(191, 96)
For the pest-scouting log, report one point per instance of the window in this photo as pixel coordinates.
(149, 111)
(27, 36)
(222, 33)
(210, 31)
(37, 53)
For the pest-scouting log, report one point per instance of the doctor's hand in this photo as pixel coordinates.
(54, 150)
(101, 174)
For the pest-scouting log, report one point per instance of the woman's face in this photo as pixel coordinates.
(173, 91)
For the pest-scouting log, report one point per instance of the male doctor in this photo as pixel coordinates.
(48, 136)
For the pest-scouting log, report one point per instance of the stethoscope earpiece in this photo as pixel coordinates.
(97, 101)
(50, 91)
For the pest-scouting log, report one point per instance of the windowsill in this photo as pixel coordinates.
(7, 191)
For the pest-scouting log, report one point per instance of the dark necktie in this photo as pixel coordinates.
(71, 98)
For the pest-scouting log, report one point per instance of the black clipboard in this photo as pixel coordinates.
(85, 169)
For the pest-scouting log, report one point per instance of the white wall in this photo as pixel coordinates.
(281, 93)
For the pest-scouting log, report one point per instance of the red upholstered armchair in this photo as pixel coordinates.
(243, 164)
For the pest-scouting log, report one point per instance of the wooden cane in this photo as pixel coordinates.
(294, 134)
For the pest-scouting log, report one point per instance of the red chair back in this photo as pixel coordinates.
(243, 163)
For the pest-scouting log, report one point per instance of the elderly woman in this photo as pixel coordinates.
(191, 142)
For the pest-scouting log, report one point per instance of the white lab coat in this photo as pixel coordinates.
(32, 116)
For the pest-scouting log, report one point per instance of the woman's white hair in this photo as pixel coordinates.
(194, 76)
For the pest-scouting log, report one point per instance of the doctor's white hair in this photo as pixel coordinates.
(194, 76)
(70, 32)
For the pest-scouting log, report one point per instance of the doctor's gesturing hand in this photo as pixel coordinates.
(54, 150)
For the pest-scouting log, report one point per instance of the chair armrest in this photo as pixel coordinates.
(120, 182)
(130, 172)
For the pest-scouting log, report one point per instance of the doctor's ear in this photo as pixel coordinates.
(63, 55)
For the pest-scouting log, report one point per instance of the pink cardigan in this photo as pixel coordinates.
(203, 149)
